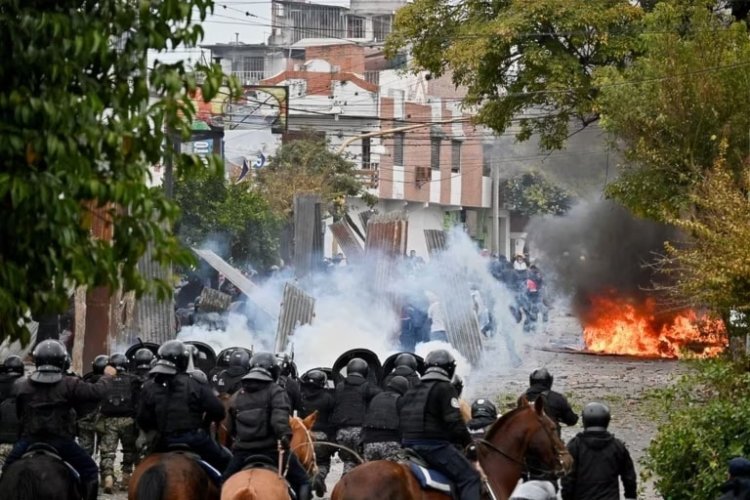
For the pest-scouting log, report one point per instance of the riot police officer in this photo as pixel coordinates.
(352, 396)
(316, 397)
(174, 403)
(116, 423)
(381, 435)
(431, 424)
(288, 382)
(12, 369)
(142, 360)
(556, 406)
(88, 413)
(600, 460)
(259, 418)
(483, 415)
(45, 402)
(229, 381)
(405, 365)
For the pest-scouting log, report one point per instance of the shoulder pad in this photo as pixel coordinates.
(199, 376)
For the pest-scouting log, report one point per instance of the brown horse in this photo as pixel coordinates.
(171, 476)
(265, 484)
(502, 454)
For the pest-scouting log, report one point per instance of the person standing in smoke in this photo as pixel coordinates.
(380, 433)
(353, 395)
(315, 397)
(437, 318)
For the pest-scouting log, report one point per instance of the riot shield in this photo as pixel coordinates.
(130, 353)
(339, 367)
(388, 365)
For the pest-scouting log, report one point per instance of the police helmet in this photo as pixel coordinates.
(399, 384)
(49, 358)
(483, 408)
(357, 366)
(405, 359)
(174, 358)
(119, 361)
(143, 358)
(99, 364)
(541, 377)
(263, 367)
(316, 378)
(240, 358)
(458, 384)
(13, 364)
(596, 416)
(440, 361)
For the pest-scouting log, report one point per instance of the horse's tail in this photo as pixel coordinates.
(152, 484)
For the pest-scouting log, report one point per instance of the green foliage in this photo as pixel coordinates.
(80, 130)
(520, 58)
(235, 216)
(674, 105)
(707, 424)
(532, 194)
(309, 166)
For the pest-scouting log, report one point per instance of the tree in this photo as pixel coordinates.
(673, 106)
(517, 59)
(532, 194)
(235, 216)
(79, 133)
(308, 165)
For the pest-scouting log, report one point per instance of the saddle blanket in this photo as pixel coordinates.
(430, 478)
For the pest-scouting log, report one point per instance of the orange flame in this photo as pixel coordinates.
(620, 326)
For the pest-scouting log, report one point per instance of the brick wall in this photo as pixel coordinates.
(351, 58)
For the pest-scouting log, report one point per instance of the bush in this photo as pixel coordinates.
(707, 423)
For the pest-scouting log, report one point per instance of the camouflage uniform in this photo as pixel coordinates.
(87, 433)
(323, 453)
(351, 437)
(5, 450)
(112, 430)
(384, 450)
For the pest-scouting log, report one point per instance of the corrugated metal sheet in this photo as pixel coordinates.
(348, 241)
(214, 301)
(308, 234)
(455, 297)
(8, 348)
(239, 280)
(297, 308)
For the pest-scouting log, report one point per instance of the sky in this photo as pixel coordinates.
(246, 20)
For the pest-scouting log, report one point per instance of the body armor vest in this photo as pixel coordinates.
(350, 402)
(383, 413)
(46, 410)
(253, 415)
(174, 412)
(415, 421)
(119, 399)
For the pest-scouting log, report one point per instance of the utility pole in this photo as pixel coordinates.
(495, 176)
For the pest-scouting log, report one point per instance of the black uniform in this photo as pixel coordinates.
(556, 406)
(479, 426)
(258, 419)
(381, 422)
(600, 459)
(404, 371)
(230, 380)
(46, 412)
(293, 391)
(318, 399)
(353, 395)
(431, 424)
(736, 488)
(9, 423)
(175, 407)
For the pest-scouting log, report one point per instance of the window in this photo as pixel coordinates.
(366, 148)
(487, 160)
(254, 63)
(355, 27)
(435, 143)
(455, 156)
(381, 27)
(398, 149)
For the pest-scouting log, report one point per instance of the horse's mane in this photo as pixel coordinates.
(500, 422)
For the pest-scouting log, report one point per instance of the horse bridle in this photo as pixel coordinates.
(559, 453)
(313, 470)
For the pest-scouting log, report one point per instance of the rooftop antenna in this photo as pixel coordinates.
(236, 38)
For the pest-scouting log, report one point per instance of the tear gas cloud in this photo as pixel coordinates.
(350, 313)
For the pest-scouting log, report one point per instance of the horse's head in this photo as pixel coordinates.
(544, 442)
(302, 441)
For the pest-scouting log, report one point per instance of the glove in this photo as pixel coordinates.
(285, 442)
(472, 453)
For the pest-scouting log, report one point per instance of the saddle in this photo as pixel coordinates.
(209, 469)
(428, 479)
(47, 450)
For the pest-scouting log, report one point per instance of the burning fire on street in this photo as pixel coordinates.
(635, 327)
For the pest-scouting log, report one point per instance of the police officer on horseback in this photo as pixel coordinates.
(174, 404)
(11, 370)
(45, 402)
(230, 380)
(431, 424)
(259, 419)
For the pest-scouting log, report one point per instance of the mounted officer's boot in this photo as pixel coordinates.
(108, 484)
(90, 490)
(305, 492)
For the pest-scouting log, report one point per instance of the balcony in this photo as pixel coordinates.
(372, 77)
(251, 77)
(369, 177)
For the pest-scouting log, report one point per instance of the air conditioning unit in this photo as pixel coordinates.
(422, 176)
